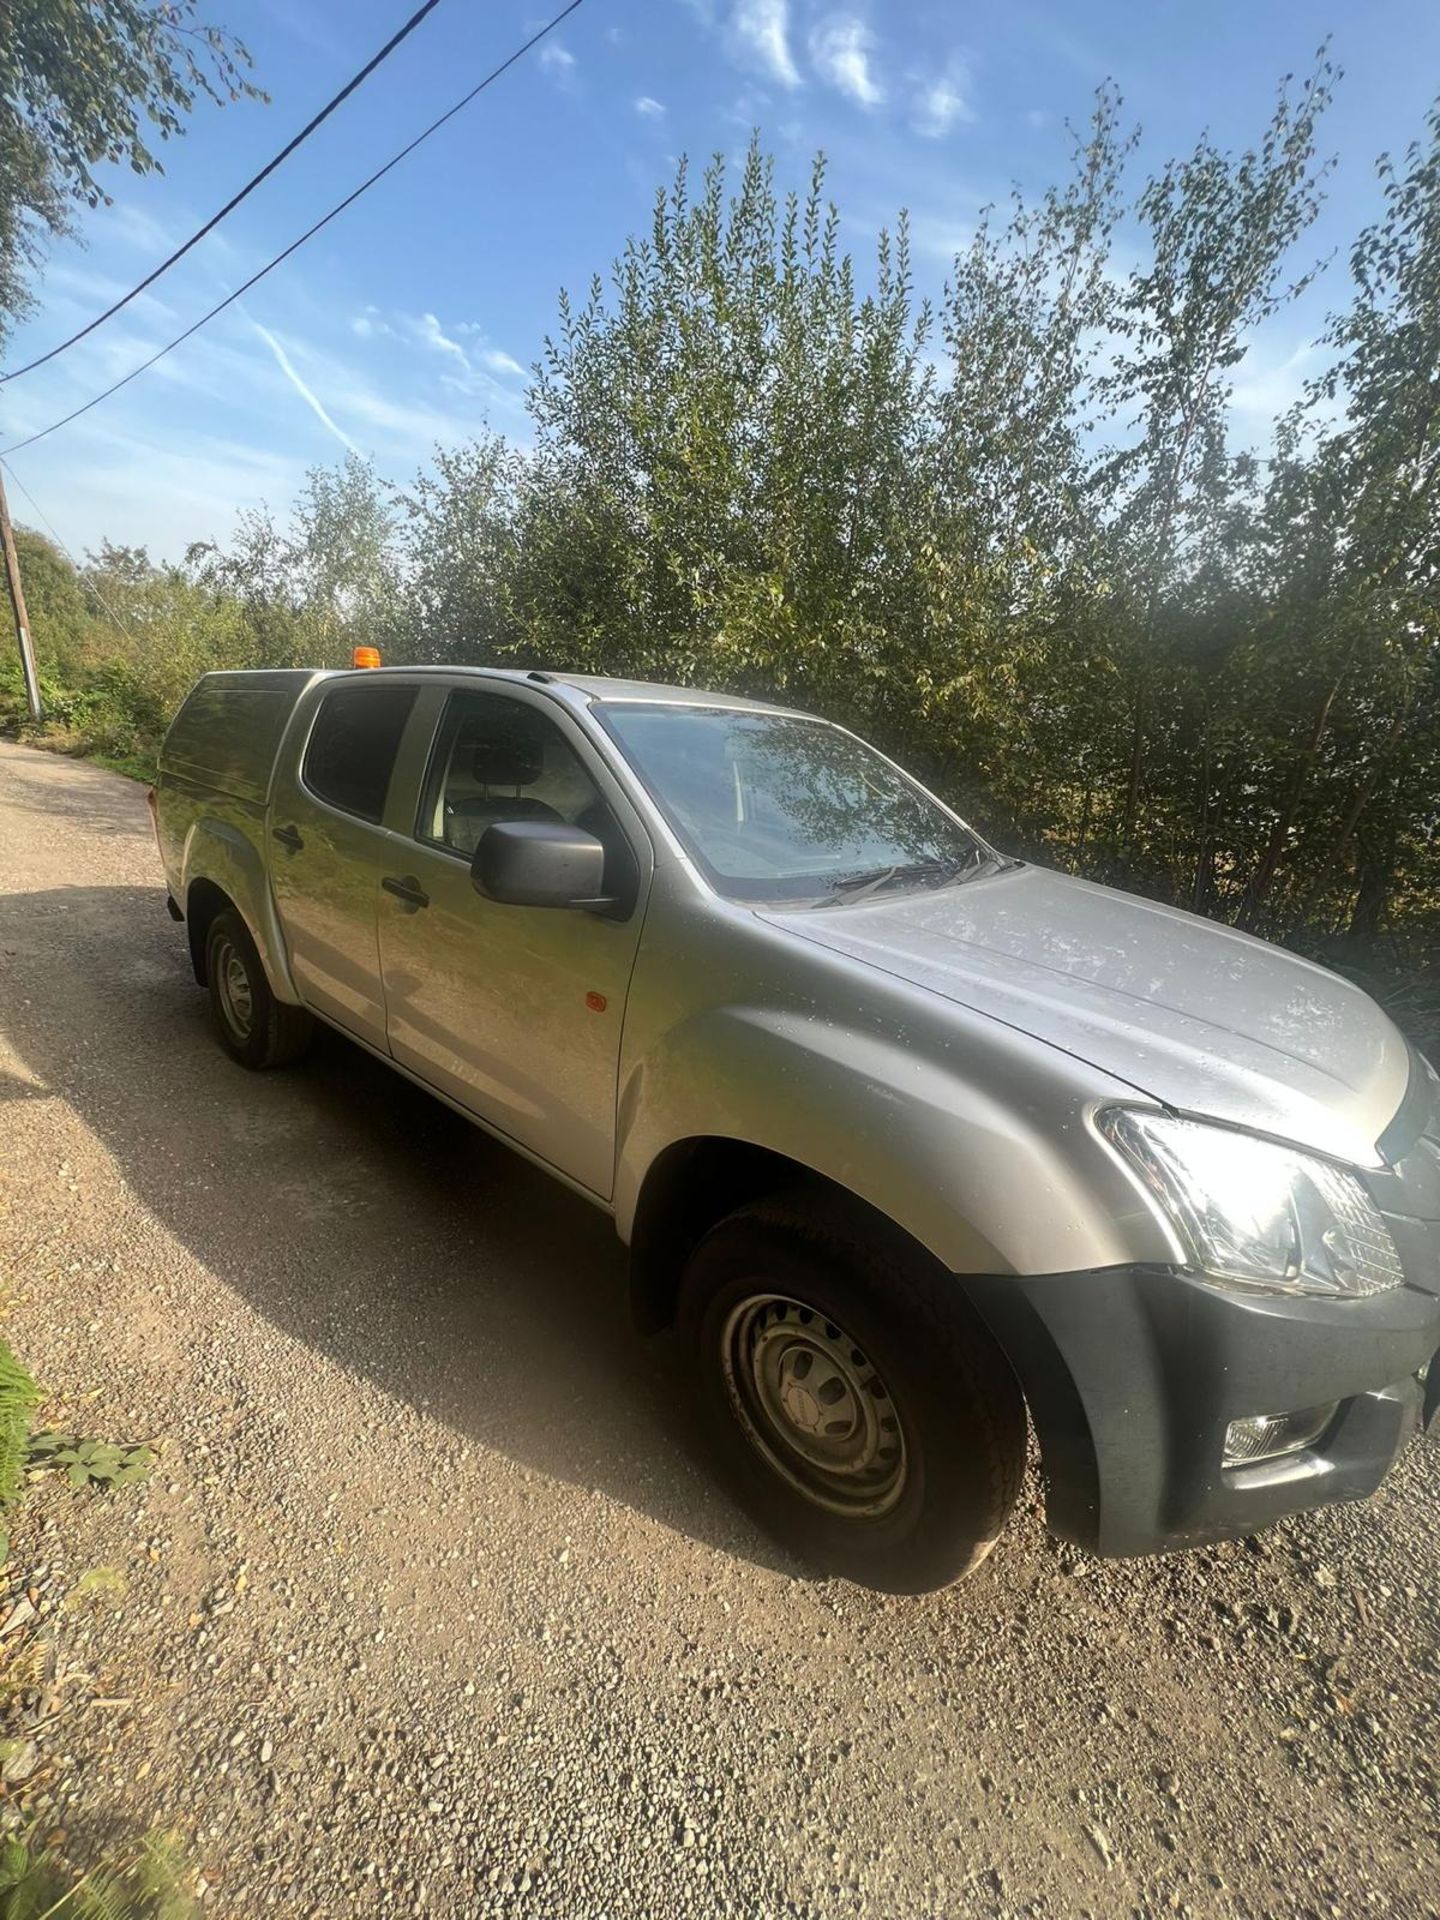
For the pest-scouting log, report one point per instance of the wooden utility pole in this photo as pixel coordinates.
(17, 602)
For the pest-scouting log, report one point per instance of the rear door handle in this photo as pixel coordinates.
(289, 838)
(408, 890)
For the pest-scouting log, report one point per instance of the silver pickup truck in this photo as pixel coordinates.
(903, 1135)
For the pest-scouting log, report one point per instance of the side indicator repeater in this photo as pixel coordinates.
(596, 1002)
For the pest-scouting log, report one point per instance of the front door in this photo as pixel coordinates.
(325, 846)
(515, 1012)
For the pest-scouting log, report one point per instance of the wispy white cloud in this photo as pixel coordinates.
(194, 485)
(940, 237)
(841, 48)
(410, 426)
(760, 31)
(434, 335)
(470, 358)
(307, 394)
(944, 101)
(141, 230)
(406, 425)
(647, 108)
(79, 290)
(371, 324)
(750, 108)
(306, 26)
(215, 427)
(557, 61)
(1271, 381)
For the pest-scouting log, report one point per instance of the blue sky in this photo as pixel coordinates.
(414, 318)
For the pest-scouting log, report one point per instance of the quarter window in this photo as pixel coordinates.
(352, 747)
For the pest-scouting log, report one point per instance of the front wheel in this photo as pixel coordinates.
(869, 1420)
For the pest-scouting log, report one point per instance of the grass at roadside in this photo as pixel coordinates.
(109, 721)
(141, 1880)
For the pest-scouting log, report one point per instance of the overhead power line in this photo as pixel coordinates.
(230, 205)
(49, 525)
(309, 233)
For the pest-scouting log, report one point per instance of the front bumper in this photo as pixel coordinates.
(1134, 1373)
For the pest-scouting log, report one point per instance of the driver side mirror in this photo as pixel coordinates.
(540, 863)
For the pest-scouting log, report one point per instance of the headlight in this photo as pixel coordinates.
(1257, 1214)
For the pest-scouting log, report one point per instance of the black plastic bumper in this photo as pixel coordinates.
(1134, 1373)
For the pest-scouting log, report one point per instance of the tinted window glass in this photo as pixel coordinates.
(778, 807)
(227, 732)
(501, 759)
(353, 744)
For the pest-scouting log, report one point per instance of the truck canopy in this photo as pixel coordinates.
(229, 730)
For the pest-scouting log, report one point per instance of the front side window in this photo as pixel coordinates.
(499, 759)
(779, 807)
(352, 747)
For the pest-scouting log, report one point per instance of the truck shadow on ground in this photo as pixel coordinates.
(359, 1215)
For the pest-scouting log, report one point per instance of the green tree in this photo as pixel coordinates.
(90, 83)
(59, 613)
(323, 583)
(341, 556)
(1355, 509)
(1219, 231)
(728, 480)
(460, 537)
(1020, 662)
(1017, 546)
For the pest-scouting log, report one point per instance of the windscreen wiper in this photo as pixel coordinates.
(857, 886)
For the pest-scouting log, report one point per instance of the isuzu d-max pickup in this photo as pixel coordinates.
(905, 1137)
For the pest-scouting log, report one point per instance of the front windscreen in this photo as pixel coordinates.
(777, 807)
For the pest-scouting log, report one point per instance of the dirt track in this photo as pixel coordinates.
(434, 1609)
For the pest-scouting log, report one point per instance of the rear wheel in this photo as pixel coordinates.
(253, 1026)
(868, 1419)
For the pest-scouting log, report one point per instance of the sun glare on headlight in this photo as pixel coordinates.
(1255, 1213)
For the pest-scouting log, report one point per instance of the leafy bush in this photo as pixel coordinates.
(1009, 538)
(145, 1884)
(91, 1463)
(18, 1398)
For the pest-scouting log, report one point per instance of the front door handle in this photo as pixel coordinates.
(408, 890)
(289, 838)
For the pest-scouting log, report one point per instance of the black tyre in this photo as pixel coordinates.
(254, 1027)
(867, 1417)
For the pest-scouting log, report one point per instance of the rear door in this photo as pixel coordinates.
(514, 1012)
(326, 840)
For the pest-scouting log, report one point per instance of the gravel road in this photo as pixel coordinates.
(432, 1606)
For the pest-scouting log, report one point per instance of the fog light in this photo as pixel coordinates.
(1266, 1436)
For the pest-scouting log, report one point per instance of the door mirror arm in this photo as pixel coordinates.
(608, 906)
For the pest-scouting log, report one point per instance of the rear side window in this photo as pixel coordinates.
(352, 747)
(227, 733)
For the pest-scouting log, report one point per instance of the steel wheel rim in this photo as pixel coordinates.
(813, 1406)
(237, 996)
